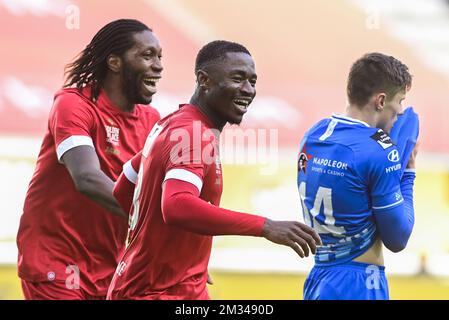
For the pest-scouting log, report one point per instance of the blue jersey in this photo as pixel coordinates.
(346, 169)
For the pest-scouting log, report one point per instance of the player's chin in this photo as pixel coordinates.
(235, 119)
(145, 99)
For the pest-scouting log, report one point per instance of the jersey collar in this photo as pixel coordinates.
(348, 120)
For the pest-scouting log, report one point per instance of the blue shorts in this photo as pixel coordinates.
(347, 281)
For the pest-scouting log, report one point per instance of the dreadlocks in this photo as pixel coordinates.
(90, 66)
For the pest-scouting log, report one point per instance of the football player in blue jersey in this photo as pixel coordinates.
(353, 188)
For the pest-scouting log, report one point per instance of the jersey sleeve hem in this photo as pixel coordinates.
(129, 172)
(72, 142)
(389, 205)
(185, 175)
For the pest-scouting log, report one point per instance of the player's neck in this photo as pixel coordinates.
(116, 96)
(362, 113)
(202, 106)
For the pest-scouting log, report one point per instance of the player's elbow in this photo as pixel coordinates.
(398, 242)
(396, 247)
(82, 182)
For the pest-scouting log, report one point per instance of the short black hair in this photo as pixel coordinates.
(216, 50)
(376, 72)
(90, 67)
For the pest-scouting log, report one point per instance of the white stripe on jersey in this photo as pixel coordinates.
(72, 142)
(185, 175)
(388, 206)
(329, 130)
(129, 172)
(348, 120)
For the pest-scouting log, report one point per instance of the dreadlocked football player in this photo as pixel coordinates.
(72, 230)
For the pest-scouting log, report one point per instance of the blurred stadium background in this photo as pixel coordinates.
(303, 51)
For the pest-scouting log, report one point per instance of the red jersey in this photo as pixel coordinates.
(124, 187)
(168, 254)
(160, 258)
(60, 227)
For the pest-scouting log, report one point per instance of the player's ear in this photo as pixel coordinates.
(379, 101)
(114, 63)
(203, 80)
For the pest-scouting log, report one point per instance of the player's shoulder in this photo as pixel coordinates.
(187, 117)
(365, 141)
(149, 111)
(318, 128)
(187, 124)
(380, 141)
(359, 136)
(379, 153)
(72, 100)
(72, 94)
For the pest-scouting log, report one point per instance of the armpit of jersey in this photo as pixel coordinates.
(405, 133)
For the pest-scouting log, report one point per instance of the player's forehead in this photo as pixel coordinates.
(237, 62)
(145, 40)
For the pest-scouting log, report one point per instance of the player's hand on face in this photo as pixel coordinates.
(294, 234)
(411, 162)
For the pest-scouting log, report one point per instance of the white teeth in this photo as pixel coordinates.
(151, 81)
(243, 103)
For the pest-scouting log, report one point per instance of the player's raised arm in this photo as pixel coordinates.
(395, 223)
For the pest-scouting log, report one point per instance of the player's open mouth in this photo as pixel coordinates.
(150, 83)
(242, 104)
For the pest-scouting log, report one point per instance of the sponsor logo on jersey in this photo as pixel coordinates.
(393, 156)
(110, 150)
(112, 135)
(330, 163)
(51, 276)
(303, 159)
(383, 139)
(393, 168)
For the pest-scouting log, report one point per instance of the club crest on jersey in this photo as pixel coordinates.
(303, 159)
(383, 139)
(112, 135)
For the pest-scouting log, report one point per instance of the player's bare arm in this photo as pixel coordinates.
(84, 168)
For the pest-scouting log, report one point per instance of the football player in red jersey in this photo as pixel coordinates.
(72, 230)
(179, 183)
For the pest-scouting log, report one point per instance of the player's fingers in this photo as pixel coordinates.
(312, 232)
(301, 243)
(295, 247)
(308, 239)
